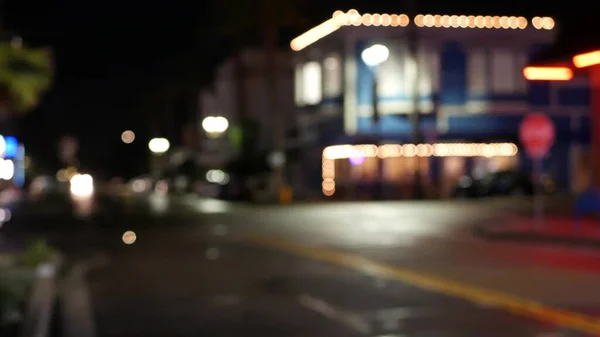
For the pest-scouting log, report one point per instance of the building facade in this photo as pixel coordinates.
(241, 91)
(466, 81)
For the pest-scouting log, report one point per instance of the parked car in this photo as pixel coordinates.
(504, 183)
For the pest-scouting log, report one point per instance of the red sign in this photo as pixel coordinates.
(537, 134)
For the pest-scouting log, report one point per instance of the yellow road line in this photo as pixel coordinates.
(515, 305)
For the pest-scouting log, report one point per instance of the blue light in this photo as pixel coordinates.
(11, 147)
(19, 177)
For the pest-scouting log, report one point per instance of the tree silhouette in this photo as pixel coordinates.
(25, 74)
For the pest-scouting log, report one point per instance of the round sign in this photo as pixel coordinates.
(537, 134)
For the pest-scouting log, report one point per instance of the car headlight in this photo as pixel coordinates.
(82, 185)
(217, 177)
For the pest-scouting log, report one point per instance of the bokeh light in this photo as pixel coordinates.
(356, 160)
(128, 137)
(7, 169)
(82, 185)
(159, 145)
(129, 237)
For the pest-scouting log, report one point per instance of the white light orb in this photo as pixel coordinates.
(221, 124)
(159, 145)
(375, 55)
(215, 125)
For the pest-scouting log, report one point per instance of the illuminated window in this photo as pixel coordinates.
(343, 170)
(499, 164)
(483, 166)
(504, 79)
(453, 169)
(425, 83)
(400, 71)
(402, 169)
(424, 168)
(312, 83)
(581, 174)
(366, 171)
(434, 61)
(408, 73)
(394, 169)
(521, 83)
(477, 72)
(332, 76)
(391, 73)
(298, 74)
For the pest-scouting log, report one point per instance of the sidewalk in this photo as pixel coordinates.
(553, 229)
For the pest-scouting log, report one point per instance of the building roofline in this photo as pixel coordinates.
(352, 17)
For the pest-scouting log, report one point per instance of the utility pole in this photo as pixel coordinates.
(413, 50)
(379, 194)
(2, 6)
(271, 38)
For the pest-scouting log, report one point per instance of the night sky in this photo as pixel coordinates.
(120, 62)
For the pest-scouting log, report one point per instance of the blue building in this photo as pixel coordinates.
(465, 80)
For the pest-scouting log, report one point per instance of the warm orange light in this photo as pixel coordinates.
(587, 59)
(340, 19)
(335, 152)
(548, 73)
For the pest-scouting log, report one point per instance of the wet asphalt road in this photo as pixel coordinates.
(211, 288)
(193, 272)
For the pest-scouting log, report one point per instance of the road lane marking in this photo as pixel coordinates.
(510, 303)
(352, 321)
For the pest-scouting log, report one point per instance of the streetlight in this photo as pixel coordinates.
(215, 126)
(373, 57)
(159, 145)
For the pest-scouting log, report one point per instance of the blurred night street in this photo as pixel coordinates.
(208, 267)
(299, 169)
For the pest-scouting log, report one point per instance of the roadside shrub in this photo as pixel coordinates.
(38, 252)
(13, 294)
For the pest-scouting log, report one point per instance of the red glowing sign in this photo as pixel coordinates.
(537, 134)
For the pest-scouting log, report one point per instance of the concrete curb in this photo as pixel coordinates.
(40, 308)
(491, 233)
(77, 313)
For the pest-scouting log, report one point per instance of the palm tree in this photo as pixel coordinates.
(25, 74)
